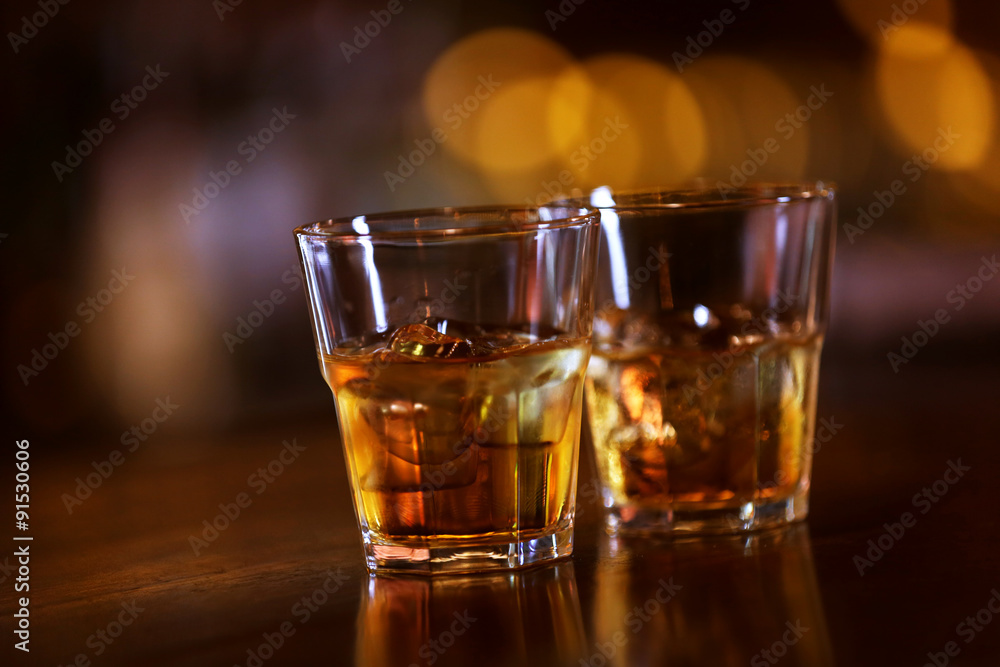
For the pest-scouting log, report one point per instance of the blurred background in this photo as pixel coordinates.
(160, 154)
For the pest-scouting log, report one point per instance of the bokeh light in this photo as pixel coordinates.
(512, 127)
(572, 96)
(615, 119)
(876, 20)
(490, 94)
(981, 185)
(644, 126)
(935, 95)
(444, 106)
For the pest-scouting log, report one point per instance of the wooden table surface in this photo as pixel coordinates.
(121, 581)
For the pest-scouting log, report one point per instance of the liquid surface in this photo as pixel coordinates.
(469, 432)
(712, 413)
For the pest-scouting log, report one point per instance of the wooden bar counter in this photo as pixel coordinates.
(242, 550)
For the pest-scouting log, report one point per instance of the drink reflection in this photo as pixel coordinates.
(529, 617)
(748, 600)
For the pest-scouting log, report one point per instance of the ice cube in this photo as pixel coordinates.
(419, 431)
(397, 474)
(628, 328)
(644, 455)
(492, 418)
(418, 443)
(420, 340)
(607, 323)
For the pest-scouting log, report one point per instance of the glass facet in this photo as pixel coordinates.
(455, 342)
(701, 391)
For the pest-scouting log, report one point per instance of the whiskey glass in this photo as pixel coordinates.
(711, 306)
(455, 342)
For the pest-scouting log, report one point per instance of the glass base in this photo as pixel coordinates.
(441, 557)
(690, 519)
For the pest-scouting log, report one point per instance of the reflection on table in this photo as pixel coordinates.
(529, 617)
(713, 601)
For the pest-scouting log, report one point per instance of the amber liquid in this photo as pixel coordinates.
(460, 439)
(704, 426)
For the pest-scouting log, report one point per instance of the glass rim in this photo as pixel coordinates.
(700, 195)
(357, 228)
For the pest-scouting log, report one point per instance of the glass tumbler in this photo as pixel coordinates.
(701, 392)
(455, 342)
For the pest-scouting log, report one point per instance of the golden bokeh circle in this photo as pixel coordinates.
(935, 96)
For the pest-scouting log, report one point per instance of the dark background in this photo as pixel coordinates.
(164, 334)
(168, 334)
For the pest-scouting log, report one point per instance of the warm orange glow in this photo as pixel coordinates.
(572, 95)
(632, 391)
(618, 120)
(643, 126)
(927, 83)
(981, 186)
(641, 401)
(878, 19)
(917, 40)
(500, 126)
(512, 129)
